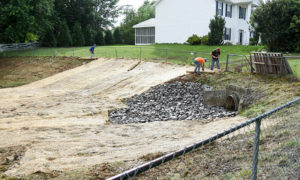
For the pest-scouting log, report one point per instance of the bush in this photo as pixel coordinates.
(64, 36)
(194, 40)
(204, 40)
(228, 44)
(216, 34)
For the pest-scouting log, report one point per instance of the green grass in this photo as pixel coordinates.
(295, 65)
(173, 52)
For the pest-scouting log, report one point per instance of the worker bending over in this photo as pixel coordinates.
(199, 62)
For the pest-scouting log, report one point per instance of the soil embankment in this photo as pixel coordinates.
(60, 123)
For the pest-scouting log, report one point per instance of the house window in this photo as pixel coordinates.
(228, 11)
(242, 14)
(145, 35)
(219, 8)
(227, 34)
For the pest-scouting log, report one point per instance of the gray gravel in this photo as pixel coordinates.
(176, 101)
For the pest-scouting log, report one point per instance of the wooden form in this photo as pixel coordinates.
(270, 63)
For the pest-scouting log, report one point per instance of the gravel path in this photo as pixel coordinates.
(176, 101)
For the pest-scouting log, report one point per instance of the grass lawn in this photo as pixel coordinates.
(175, 53)
(155, 52)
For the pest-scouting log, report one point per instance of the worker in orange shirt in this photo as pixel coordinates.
(199, 62)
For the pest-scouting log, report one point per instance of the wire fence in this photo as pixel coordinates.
(265, 146)
(120, 52)
(231, 63)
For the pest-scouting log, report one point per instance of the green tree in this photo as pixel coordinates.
(22, 21)
(49, 40)
(216, 34)
(26, 20)
(77, 35)
(145, 12)
(117, 36)
(64, 38)
(108, 37)
(278, 23)
(100, 38)
(89, 35)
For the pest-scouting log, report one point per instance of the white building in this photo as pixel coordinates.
(176, 20)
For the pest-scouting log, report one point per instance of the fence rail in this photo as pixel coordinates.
(159, 161)
(17, 46)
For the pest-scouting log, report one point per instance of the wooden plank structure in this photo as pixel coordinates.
(269, 63)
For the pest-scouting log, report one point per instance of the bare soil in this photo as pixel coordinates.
(16, 71)
(59, 124)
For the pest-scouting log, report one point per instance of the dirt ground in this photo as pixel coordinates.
(60, 123)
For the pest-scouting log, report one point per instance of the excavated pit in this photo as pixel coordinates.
(171, 101)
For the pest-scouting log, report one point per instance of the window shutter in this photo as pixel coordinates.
(222, 9)
(231, 11)
(230, 34)
(226, 10)
(217, 7)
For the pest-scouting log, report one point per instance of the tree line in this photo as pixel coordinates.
(57, 22)
(68, 22)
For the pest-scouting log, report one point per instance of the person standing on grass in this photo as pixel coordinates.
(215, 58)
(199, 62)
(92, 50)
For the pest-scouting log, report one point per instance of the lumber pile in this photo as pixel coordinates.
(270, 63)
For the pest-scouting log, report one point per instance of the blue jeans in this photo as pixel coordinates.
(213, 64)
(197, 68)
(91, 54)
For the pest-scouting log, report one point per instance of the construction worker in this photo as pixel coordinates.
(199, 62)
(92, 50)
(215, 58)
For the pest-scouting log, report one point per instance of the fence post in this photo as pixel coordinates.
(116, 53)
(227, 61)
(140, 53)
(166, 55)
(256, 149)
(281, 67)
(251, 65)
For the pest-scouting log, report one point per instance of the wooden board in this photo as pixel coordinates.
(87, 58)
(205, 72)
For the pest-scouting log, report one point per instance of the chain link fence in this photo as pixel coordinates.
(266, 147)
(120, 52)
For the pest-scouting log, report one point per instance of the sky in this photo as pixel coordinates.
(135, 4)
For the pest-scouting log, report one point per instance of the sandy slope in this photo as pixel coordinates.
(62, 119)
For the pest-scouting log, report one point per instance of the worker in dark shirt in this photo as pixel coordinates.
(92, 50)
(215, 58)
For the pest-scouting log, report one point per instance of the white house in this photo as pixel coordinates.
(176, 20)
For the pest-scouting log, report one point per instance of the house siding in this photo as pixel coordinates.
(176, 20)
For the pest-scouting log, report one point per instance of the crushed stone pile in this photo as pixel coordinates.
(175, 101)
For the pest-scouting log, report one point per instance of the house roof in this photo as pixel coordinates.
(230, 1)
(147, 23)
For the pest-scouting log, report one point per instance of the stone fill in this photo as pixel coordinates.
(175, 101)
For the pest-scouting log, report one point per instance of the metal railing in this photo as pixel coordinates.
(172, 156)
